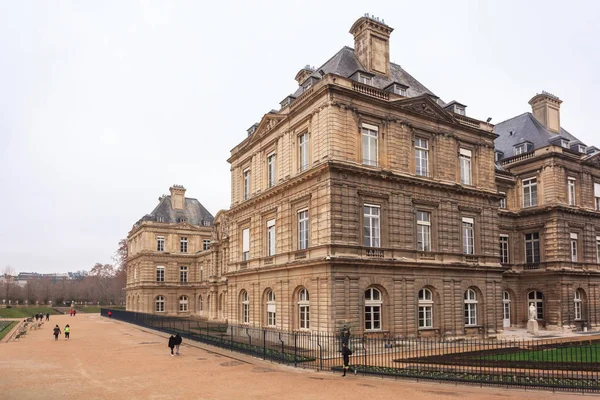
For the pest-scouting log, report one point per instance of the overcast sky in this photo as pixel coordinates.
(105, 104)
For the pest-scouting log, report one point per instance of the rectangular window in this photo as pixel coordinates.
(303, 152)
(520, 149)
(426, 316)
(504, 249)
(571, 191)
(371, 225)
(246, 184)
(597, 195)
(470, 314)
(271, 170)
(160, 243)
(369, 144)
(423, 231)
(532, 248)
(530, 192)
(468, 235)
(598, 249)
(183, 274)
(573, 247)
(201, 270)
(205, 244)
(422, 157)
(183, 245)
(502, 200)
(465, 166)
(362, 78)
(271, 237)
(246, 244)
(302, 230)
(160, 274)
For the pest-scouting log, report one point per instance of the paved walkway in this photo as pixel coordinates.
(109, 359)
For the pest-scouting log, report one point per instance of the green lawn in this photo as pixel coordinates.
(5, 327)
(24, 312)
(584, 354)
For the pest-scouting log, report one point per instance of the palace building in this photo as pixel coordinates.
(366, 200)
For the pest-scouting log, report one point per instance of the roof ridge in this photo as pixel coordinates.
(511, 118)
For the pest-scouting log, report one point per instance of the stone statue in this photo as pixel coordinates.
(532, 312)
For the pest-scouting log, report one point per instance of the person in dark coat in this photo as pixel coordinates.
(56, 332)
(346, 353)
(47, 316)
(178, 341)
(345, 334)
(172, 344)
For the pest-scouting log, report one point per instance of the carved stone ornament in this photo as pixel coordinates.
(225, 228)
(422, 108)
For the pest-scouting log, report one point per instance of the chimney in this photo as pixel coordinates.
(546, 109)
(372, 44)
(177, 197)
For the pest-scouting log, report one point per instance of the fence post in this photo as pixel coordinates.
(264, 344)
(295, 349)
(320, 351)
(282, 349)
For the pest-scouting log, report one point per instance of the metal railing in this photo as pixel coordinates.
(566, 364)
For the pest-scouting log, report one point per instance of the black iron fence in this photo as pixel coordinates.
(571, 364)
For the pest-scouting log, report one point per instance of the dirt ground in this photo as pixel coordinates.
(109, 359)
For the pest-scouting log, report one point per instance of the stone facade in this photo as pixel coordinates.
(373, 204)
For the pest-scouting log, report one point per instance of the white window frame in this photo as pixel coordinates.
(460, 110)
(205, 244)
(201, 273)
(303, 229)
(425, 308)
(421, 156)
(598, 249)
(200, 305)
(271, 238)
(470, 301)
(578, 300)
(245, 307)
(370, 144)
(571, 191)
(246, 183)
(504, 249)
(245, 244)
(183, 274)
(538, 301)
(160, 243)
(502, 200)
(271, 171)
(506, 305)
(468, 235)
(303, 309)
(423, 230)
(520, 149)
(160, 273)
(183, 303)
(597, 195)
(466, 167)
(183, 245)
(533, 242)
(371, 225)
(303, 151)
(529, 192)
(271, 309)
(373, 309)
(574, 249)
(159, 303)
(366, 79)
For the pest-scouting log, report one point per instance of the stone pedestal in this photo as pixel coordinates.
(532, 327)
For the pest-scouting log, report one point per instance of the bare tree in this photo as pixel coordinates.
(9, 280)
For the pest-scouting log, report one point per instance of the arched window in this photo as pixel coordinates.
(372, 309)
(578, 304)
(271, 308)
(160, 303)
(425, 308)
(304, 309)
(200, 304)
(537, 298)
(245, 307)
(470, 307)
(183, 303)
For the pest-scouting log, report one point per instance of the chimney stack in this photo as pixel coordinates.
(546, 109)
(372, 44)
(177, 197)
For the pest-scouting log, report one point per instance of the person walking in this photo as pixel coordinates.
(56, 332)
(172, 344)
(47, 316)
(178, 341)
(67, 331)
(346, 353)
(109, 314)
(74, 312)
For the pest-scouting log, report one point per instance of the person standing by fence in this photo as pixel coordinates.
(178, 341)
(346, 353)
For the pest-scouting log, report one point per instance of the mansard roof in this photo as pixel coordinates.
(193, 213)
(525, 128)
(345, 64)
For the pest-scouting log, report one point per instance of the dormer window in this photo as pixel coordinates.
(287, 101)
(524, 147)
(160, 219)
(181, 219)
(498, 155)
(397, 89)
(252, 129)
(364, 78)
(581, 148)
(564, 143)
(459, 110)
(309, 82)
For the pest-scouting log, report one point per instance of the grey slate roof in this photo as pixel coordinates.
(525, 127)
(345, 63)
(193, 212)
